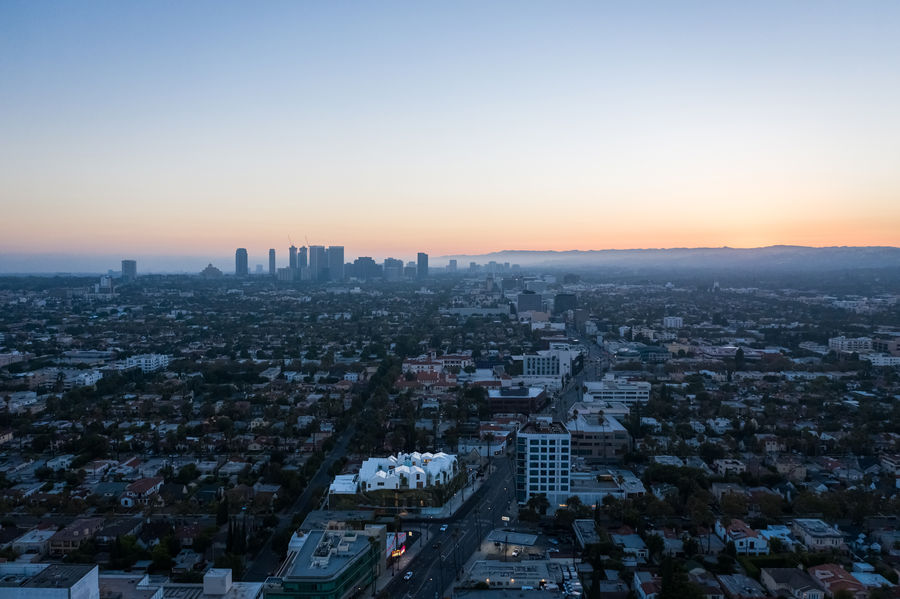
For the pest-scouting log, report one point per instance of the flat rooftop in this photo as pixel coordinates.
(326, 553)
(515, 392)
(513, 538)
(816, 527)
(595, 423)
(239, 590)
(544, 428)
(57, 576)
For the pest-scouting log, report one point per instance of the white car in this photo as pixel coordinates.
(408, 575)
(444, 527)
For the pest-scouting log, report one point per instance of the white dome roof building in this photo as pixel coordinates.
(407, 471)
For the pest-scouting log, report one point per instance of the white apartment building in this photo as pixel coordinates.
(611, 389)
(148, 362)
(543, 461)
(850, 344)
(543, 363)
(881, 359)
(673, 322)
(555, 362)
(405, 471)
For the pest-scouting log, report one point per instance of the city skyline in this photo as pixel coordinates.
(131, 128)
(271, 262)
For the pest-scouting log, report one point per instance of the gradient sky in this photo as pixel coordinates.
(192, 128)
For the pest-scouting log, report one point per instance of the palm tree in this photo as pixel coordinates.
(489, 437)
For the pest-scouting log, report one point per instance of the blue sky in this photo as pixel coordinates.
(454, 127)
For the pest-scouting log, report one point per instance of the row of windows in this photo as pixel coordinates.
(549, 488)
(545, 473)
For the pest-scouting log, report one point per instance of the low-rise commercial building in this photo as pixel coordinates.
(612, 389)
(330, 564)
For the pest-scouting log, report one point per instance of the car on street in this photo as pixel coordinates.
(408, 575)
(444, 527)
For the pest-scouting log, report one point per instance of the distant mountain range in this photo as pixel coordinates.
(771, 258)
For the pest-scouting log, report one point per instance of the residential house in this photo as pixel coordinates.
(141, 491)
(746, 540)
(816, 535)
(791, 582)
(72, 536)
(738, 586)
(834, 579)
(647, 585)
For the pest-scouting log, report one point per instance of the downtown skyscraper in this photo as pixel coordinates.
(422, 265)
(240, 263)
(336, 263)
(318, 262)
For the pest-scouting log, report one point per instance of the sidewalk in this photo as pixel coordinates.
(402, 563)
(454, 503)
(424, 538)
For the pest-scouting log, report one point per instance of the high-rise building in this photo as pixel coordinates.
(366, 268)
(451, 266)
(129, 270)
(241, 268)
(272, 262)
(543, 460)
(302, 258)
(673, 322)
(318, 262)
(422, 265)
(529, 301)
(393, 269)
(563, 302)
(336, 263)
(292, 256)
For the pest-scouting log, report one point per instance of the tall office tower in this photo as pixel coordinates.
(129, 271)
(565, 302)
(240, 263)
(529, 301)
(422, 265)
(292, 256)
(542, 461)
(366, 268)
(318, 262)
(451, 266)
(393, 269)
(302, 261)
(272, 262)
(336, 262)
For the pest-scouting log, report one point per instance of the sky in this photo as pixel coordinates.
(187, 129)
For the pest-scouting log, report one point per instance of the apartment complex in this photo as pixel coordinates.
(612, 389)
(543, 459)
